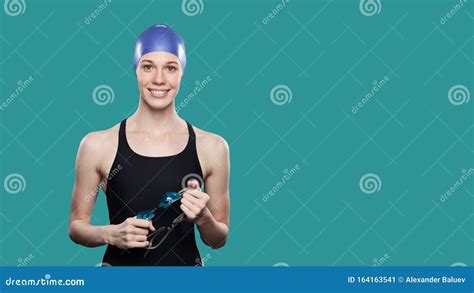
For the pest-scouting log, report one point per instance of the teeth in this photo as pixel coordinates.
(158, 93)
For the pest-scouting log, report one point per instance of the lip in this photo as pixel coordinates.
(158, 93)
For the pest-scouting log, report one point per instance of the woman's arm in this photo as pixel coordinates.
(130, 233)
(84, 194)
(210, 210)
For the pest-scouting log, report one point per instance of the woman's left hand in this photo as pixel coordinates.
(194, 201)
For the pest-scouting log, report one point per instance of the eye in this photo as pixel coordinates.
(147, 67)
(171, 69)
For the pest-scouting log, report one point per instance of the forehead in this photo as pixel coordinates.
(159, 57)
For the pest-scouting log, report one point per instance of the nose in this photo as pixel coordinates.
(159, 77)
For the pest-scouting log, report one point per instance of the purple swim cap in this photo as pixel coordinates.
(159, 38)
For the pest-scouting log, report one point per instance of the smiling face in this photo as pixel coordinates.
(159, 76)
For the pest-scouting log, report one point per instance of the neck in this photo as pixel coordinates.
(155, 121)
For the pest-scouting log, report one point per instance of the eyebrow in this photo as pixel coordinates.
(169, 62)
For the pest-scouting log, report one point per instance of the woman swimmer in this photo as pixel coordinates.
(145, 156)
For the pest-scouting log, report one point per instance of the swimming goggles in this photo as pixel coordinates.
(157, 237)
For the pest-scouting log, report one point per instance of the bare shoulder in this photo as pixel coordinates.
(98, 140)
(211, 142)
(212, 150)
(99, 147)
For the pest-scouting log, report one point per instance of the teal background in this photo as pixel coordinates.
(328, 53)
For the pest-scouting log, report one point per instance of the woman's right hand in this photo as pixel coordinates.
(131, 233)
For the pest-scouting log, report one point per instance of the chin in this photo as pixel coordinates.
(158, 104)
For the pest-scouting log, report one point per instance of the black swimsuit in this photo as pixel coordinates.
(136, 183)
